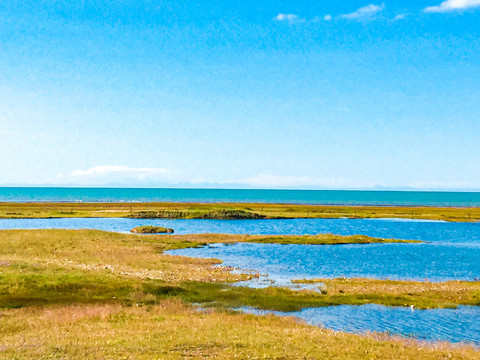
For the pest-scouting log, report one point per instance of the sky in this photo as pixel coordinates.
(239, 94)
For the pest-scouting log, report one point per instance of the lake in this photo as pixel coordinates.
(325, 197)
(452, 251)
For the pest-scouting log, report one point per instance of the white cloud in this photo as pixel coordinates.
(272, 181)
(364, 12)
(452, 5)
(400, 17)
(115, 172)
(328, 17)
(290, 18)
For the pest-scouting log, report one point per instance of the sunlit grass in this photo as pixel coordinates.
(92, 294)
(172, 330)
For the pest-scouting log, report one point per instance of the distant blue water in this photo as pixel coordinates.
(454, 325)
(333, 197)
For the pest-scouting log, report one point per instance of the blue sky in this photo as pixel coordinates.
(266, 94)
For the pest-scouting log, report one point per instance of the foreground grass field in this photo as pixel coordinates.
(231, 211)
(93, 294)
(173, 330)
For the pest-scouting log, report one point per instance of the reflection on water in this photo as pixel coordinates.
(454, 325)
(264, 281)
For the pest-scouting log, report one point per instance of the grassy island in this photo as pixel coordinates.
(92, 294)
(230, 211)
(182, 241)
(151, 230)
(322, 239)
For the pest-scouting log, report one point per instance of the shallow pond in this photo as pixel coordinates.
(437, 231)
(394, 261)
(454, 325)
(452, 251)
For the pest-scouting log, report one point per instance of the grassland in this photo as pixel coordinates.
(173, 330)
(62, 266)
(423, 295)
(171, 242)
(92, 294)
(231, 211)
(42, 267)
(321, 239)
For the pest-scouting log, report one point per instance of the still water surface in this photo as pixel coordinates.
(394, 261)
(435, 231)
(338, 197)
(452, 250)
(454, 325)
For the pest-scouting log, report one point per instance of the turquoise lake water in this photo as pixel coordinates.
(333, 197)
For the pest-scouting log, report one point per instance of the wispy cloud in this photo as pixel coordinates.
(106, 170)
(328, 17)
(289, 18)
(364, 12)
(400, 17)
(273, 181)
(452, 5)
(114, 174)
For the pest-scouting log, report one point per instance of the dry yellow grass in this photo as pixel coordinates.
(123, 254)
(172, 330)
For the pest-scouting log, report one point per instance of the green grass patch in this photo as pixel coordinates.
(325, 239)
(40, 267)
(219, 214)
(233, 211)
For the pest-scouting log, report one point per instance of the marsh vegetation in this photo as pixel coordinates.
(148, 229)
(232, 211)
(89, 294)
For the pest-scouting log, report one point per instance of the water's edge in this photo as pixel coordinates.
(427, 325)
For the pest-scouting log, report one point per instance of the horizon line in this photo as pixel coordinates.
(373, 189)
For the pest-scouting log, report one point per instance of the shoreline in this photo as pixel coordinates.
(54, 280)
(231, 211)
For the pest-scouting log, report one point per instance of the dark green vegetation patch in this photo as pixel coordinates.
(151, 230)
(220, 214)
